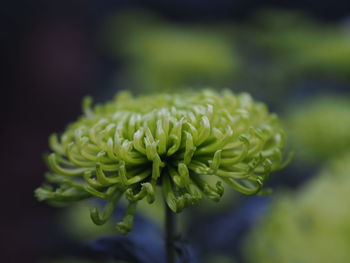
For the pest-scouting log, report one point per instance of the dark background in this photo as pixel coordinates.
(52, 58)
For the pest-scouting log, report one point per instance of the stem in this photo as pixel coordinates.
(170, 228)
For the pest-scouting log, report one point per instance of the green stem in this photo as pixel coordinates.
(170, 229)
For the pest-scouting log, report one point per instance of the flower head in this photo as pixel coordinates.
(130, 146)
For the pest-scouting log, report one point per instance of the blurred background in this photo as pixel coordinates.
(293, 55)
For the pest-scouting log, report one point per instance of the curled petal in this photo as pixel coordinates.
(204, 131)
(189, 148)
(125, 226)
(176, 137)
(147, 189)
(55, 145)
(161, 138)
(103, 179)
(215, 163)
(61, 196)
(138, 141)
(101, 218)
(218, 144)
(91, 181)
(52, 161)
(175, 204)
(239, 157)
(211, 192)
(75, 157)
(251, 190)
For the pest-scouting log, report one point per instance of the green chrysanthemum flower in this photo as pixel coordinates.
(130, 146)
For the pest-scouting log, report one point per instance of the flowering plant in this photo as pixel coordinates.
(132, 146)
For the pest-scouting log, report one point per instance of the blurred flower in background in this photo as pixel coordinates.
(310, 225)
(320, 127)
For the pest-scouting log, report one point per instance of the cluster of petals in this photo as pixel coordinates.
(175, 143)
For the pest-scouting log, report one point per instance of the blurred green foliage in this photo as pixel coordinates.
(263, 56)
(303, 46)
(162, 56)
(319, 127)
(311, 225)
